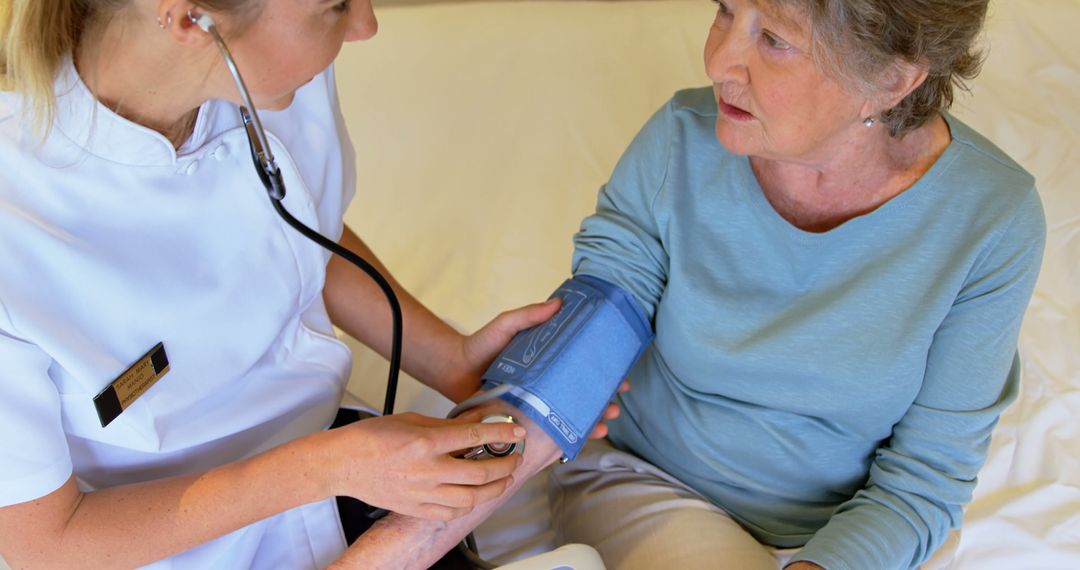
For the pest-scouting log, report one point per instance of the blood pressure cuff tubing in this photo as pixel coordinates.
(563, 373)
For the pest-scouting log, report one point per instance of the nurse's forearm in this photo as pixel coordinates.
(358, 306)
(133, 525)
(400, 542)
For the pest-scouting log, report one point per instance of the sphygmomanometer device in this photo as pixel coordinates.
(563, 373)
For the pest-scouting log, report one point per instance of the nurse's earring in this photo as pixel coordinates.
(166, 23)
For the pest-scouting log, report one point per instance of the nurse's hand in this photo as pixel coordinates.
(480, 349)
(474, 353)
(403, 463)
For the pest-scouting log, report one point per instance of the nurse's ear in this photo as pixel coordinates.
(179, 19)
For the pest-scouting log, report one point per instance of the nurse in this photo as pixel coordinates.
(168, 366)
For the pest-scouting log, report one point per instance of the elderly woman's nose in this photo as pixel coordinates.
(725, 59)
(362, 22)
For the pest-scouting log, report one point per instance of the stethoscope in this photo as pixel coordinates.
(270, 175)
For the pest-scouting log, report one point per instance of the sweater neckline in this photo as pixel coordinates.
(914, 194)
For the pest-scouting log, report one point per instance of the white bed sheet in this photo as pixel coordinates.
(485, 129)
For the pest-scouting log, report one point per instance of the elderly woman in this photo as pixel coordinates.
(836, 270)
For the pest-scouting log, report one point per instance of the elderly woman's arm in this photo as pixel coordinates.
(926, 472)
(621, 242)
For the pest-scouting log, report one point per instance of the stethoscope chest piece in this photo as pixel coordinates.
(493, 450)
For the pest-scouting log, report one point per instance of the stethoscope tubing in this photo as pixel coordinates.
(271, 178)
(384, 285)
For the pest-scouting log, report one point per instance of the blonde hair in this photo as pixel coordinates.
(36, 36)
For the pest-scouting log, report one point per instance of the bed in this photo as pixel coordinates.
(484, 129)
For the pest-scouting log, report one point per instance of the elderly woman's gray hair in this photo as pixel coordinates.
(858, 40)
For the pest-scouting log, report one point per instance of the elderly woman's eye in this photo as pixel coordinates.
(775, 42)
(343, 6)
(721, 6)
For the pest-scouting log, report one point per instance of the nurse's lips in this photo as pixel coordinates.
(734, 113)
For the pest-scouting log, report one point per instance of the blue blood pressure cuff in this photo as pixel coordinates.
(563, 373)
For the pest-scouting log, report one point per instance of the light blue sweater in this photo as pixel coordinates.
(832, 389)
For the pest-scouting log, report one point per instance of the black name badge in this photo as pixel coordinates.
(134, 382)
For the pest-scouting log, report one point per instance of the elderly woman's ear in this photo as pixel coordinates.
(897, 83)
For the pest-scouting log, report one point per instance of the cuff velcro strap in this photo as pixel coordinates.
(563, 373)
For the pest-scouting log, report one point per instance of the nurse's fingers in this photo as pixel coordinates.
(470, 416)
(456, 437)
(481, 472)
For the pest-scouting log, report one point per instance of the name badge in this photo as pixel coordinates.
(134, 382)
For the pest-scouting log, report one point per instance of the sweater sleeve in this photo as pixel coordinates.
(922, 476)
(621, 242)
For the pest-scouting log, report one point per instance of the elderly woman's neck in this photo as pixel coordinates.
(857, 178)
(141, 76)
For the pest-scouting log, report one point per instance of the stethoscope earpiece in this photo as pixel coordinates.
(204, 21)
(260, 145)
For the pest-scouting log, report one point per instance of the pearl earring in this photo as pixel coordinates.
(869, 122)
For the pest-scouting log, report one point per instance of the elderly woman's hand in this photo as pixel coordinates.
(612, 412)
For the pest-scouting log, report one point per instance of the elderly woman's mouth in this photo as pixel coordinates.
(734, 113)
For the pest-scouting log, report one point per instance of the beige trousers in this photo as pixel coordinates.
(640, 518)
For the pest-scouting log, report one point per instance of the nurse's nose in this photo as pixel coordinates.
(362, 22)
